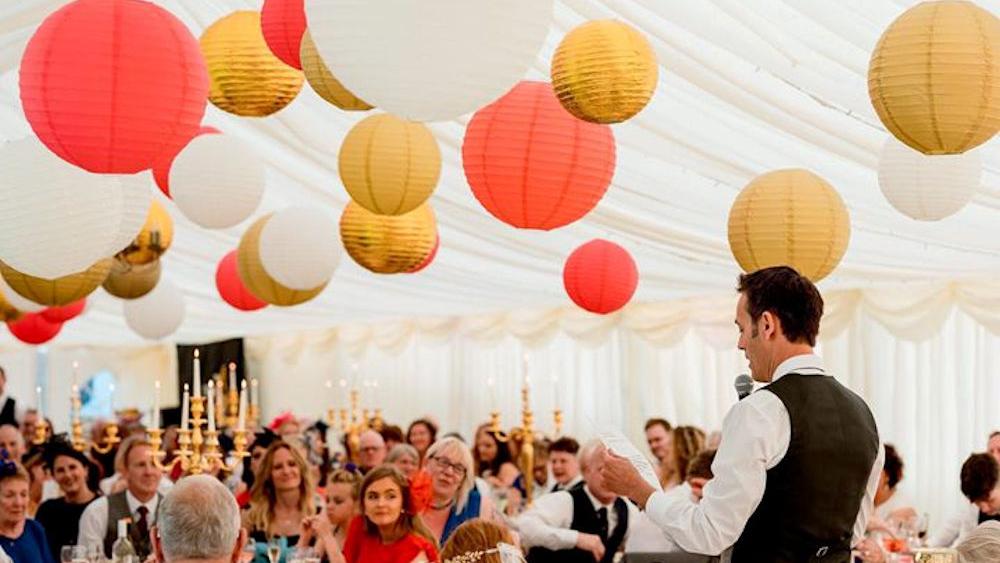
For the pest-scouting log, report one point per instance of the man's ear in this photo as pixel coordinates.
(768, 324)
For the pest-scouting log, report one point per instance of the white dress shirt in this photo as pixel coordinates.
(94, 520)
(755, 437)
(956, 527)
(644, 536)
(547, 523)
(573, 482)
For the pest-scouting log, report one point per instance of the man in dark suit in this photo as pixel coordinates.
(8, 407)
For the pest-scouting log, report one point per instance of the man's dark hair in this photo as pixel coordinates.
(566, 445)
(979, 476)
(658, 422)
(893, 466)
(701, 465)
(392, 433)
(994, 434)
(789, 296)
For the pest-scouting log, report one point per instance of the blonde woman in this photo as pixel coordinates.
(330, 527)
(687, 442)
(282, 497)
(455, 498)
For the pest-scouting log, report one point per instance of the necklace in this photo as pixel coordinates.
(443, 506)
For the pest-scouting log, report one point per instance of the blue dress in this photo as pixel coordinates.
(31, 547)
(456, 519)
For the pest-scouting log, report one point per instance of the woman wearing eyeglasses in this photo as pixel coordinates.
(453, 483)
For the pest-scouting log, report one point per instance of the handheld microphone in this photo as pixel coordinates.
(743, 385)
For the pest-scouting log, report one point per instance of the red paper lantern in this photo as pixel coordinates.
(64, 313)
(231, 288)
(532, 164)
(161, 168)
(430, 257)
(32, 328)
(283, 23)
(600, 276)
(113, 85)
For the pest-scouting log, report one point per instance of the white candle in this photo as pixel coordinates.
(74, 396)
(111, 388)
(211, 404)
(76, 372)
(491, 384)
(555, 382)
(232, 376)
(242, 425)
(156, 407)
(184, 407)
(38, 402)
(197, 373)
(254, 393)
(343, 393)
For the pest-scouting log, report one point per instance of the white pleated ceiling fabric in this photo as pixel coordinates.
(745, 87)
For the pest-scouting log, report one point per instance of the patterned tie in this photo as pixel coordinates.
(142, 526)
(602, 523)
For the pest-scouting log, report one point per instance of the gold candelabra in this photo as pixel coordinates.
(199, 450)
(522, 436)
(557, 419)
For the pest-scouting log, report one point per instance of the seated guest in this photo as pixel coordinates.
(388, 530)
(406, 459)
(251, 465)
(118, 481)
(12, 442)
(993, 445)
(371, 450)
(281, 498)
(659, 437)
(329, 528)
(686, 442)
(421, 434)
(392, 435)
(699, 473)
(29, 424)
(454, 498)
(477, 541)
(581, 525)
(493, 459)
(981, 485)
(982, 545)
(9, 410)
(198, 522)
(77, 479)
(891, 506)
(138, 502)
(21, 538)
(565, 464)
(34, 463)
(541, 472)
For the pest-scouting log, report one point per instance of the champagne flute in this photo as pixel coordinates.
(273, 550)
(73, 554)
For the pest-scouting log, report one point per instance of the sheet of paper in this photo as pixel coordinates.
(620, 445)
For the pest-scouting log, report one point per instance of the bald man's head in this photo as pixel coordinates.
(12, 441)
(372, 449)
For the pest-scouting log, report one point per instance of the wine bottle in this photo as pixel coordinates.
(122, 550)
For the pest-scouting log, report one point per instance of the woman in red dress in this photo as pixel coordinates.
(388, 530)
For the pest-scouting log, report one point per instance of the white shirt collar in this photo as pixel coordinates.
(134, 504)
(804, 363)
(572, 483)
(593, 500)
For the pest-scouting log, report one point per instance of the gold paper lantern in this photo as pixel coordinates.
(153, 240)
(131, 281)
(389, 166)
(246, 78)
(388, 244)
(255, 278)
(604, 71)
(323, 81)
(934, 77)
(789, 217)
(7, 311)
(60, 291)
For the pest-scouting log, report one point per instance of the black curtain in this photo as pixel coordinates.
(215, 356)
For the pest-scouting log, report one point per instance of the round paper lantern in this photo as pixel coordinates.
(33, 328)
(246, 78)
(255, 277)
(131, 281)
(428, 61)
(299, 248)
(16, 301)
(600, 276)
(59, 291)
(231, 288)
(927, 187)
(157, 314)
(161, 169)
(934, 77)
(64, 313)
(389, 166)
(789, 217)
(531, 164)
(283, 22)
(113, 86)
(153, 240)
(388, 244)
(430, 257)
(56, 219)
(604, 71)
(217, 181)
(323, 82)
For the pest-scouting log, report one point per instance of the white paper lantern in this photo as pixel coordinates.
(57, 219)
(300, 247)
(428, 60)
(158, 313)
(16, 301)
(217, 181)
(927, 187)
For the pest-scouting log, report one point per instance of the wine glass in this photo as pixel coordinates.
(73, 554)
(274, 550)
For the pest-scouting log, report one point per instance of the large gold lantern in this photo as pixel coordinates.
(256, 279)
(59, 291)
(153, 240)
(323, 81)
(131, 281)
(388, 244)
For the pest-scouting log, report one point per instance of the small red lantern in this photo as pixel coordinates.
(231, 288)
(600, 276)
(32, 328)
(532, 164)
(430, 257)
(161, 168)
(283, 23)
(64, 313)
(113, 85)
